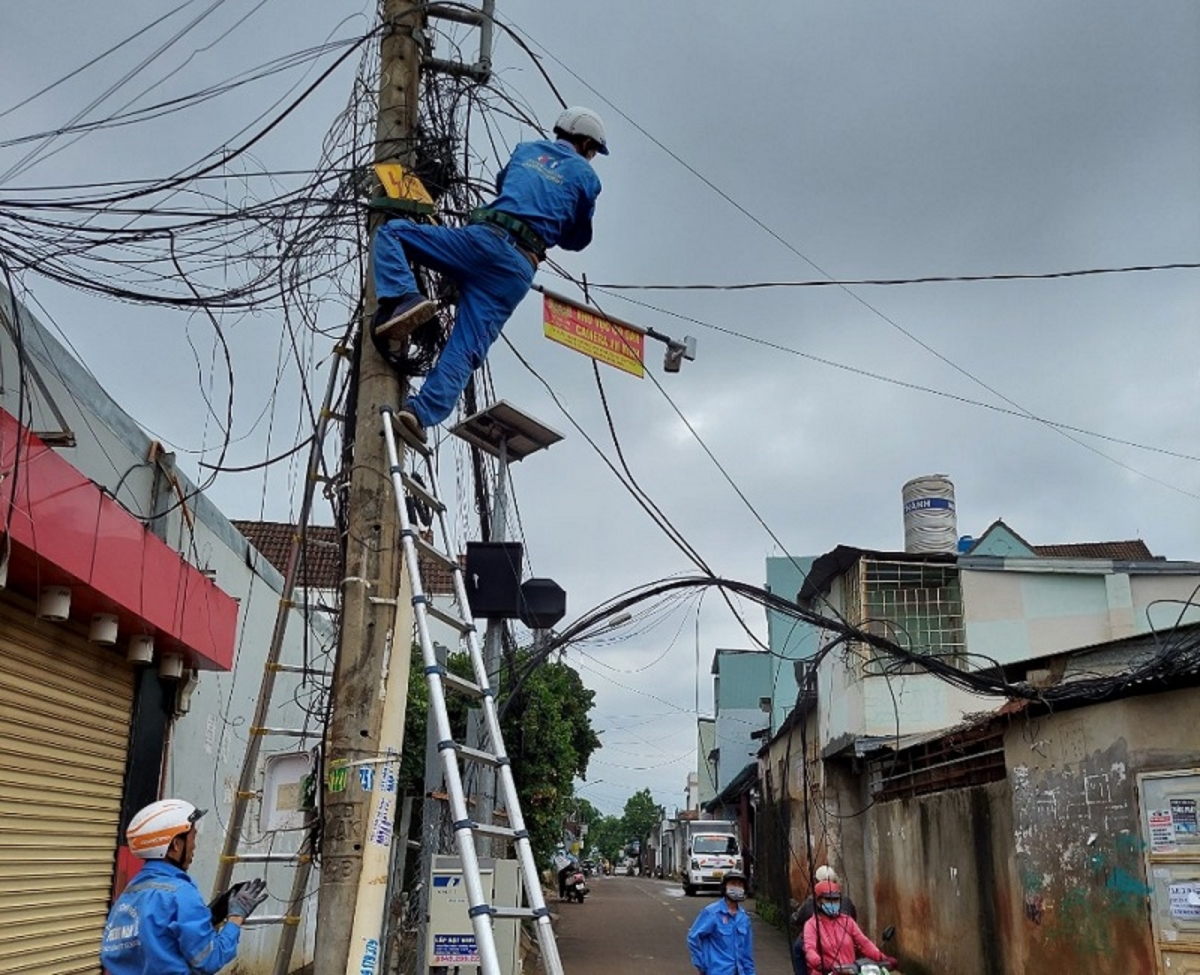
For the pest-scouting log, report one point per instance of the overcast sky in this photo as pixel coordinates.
(849, 139)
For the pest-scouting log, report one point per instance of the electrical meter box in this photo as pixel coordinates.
(451, 941)
(285, 782)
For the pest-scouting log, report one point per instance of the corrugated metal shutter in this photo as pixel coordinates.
(65, 709)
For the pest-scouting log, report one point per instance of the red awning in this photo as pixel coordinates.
(65, 530)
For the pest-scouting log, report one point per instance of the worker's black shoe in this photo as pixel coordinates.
(408, 423)
(398, 318)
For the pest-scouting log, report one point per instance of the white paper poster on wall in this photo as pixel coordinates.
(1185, 901)
(1162, 831)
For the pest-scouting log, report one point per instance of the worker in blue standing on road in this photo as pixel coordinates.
(160, 924)
(721, 940)
(546, 198)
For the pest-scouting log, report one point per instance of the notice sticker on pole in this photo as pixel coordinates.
(613, 343)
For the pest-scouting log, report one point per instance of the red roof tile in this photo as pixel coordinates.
(1134, 550)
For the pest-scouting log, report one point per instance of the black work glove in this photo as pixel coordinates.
(246, 898)
(219, 905)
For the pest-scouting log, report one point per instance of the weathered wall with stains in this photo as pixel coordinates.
(940, 870)
(1043, 872)
(1079, 848)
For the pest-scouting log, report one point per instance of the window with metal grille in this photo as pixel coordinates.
(956, 761)
(918, 605)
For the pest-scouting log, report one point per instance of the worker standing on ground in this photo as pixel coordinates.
(721, 940)
(160, 924)
(546, 198)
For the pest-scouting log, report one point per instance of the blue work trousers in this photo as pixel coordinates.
(492, 277)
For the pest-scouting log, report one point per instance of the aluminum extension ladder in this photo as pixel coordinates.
(440, 680)
(231, 852)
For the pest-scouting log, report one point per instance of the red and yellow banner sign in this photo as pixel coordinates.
(584, 331)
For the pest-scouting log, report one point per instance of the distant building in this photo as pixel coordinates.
(706, 757)
(1045, 834)
(741, 697)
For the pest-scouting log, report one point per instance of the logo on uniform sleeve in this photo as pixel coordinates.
(122, 931)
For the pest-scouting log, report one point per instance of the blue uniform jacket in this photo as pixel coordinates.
(553, 189)
(722, 943)
(160, 925)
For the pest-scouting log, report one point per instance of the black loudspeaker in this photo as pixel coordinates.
(493, 578)
(543, 603)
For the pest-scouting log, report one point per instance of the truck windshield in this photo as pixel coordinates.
(715, 845)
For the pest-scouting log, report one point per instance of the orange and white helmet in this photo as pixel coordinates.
(150, 832)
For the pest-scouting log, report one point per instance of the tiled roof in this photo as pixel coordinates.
(1134, 550)
(321, 567)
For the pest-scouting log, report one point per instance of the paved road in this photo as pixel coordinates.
(636, 926)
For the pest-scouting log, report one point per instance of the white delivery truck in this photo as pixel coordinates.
(711, 849)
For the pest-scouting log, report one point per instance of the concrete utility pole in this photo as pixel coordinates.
(373, 555)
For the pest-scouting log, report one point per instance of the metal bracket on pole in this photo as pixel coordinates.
(481, 70)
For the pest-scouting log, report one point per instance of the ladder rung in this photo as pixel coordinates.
(420, 493)
(463, 626)
(461, 684)
(434, 553)
(491, 829)
(267, 858)
(286, 732)
(262, 920)
(511, 912)
(475, 755)
(299, 669)
(407, 436)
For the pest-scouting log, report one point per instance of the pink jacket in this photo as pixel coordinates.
(842, 943)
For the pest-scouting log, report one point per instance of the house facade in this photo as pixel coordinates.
(134, 624)
(1002, 836)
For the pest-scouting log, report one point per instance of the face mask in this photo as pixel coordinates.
(830, 908)
(735, 893)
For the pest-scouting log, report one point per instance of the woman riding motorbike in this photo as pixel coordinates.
(831, 939)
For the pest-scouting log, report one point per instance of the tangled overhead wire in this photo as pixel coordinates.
(1177, 651)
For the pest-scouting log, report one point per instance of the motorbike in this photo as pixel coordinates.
(576, 886)
(864, 967)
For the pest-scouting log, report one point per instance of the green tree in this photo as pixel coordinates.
(607, 834)
(547, 732)
(640, 816)
(550, 740)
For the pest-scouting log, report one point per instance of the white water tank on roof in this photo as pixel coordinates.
(930, 521)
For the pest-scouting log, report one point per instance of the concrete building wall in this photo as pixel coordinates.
(741, 679)
(206, 745)
(1013, 615)
(1037, 873)
(735, 746)
(916, 703)
(706, 741)
(1079, 839)
(939, 869)
(789, 639)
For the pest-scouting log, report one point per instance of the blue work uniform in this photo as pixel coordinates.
(546, 185)
(160, 925)
(722, 943)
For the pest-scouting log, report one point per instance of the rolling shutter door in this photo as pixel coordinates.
(65, 710)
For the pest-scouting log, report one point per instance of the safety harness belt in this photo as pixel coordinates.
(521, 231)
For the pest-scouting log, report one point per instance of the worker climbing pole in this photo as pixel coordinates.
(546, 197)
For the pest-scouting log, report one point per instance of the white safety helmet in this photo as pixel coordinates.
(826, 873)
(583, 121)
(150, 832)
